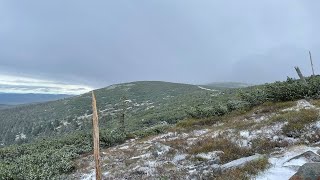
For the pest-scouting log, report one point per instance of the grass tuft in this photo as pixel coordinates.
(249, 171)
(231, 150)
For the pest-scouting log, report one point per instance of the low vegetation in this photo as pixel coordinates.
(231, 150)
(49, 158)
(249, 171)
(297, 121)
(264, 145)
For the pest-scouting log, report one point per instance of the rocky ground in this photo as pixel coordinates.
(184, 154)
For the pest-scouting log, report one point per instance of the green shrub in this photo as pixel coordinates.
(208, 111)
(289, 90)
(158, 129)
(50, 158)
(194, 123)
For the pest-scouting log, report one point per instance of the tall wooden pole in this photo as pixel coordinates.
(311, 63)
(96, 145)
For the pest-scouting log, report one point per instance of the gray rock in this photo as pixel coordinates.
(318, 152)
(309, 155)
(310, 171)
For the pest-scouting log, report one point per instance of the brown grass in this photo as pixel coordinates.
(265, 146)
(231, 150)
(249, 171)
(297, 121)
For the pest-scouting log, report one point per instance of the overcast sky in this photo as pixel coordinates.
(92, 44)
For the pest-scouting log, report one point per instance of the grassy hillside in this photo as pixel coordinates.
(146, 104)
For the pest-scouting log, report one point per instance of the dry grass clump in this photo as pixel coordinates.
(179, 144)
(265, 146)
(268, 107)
(315, 102)
(231, 150)
(249, 171)
(297, 121)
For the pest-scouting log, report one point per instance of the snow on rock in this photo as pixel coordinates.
(142, 156)
(245, 134)
(179, 157)
(200, 132)
(241, 162)
(281, 164)
(209, 155)
(301, 104)
(161, 149)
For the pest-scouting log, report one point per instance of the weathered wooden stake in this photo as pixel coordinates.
(300, 75)
(311, 63)
(96, 144)
(122, 115)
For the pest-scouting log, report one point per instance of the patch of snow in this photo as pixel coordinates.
(20, 136)
(295, 162)
(163, 136)
(162, 149)
(209, 155)
(89, 176)
(149, 107)
(179, 157)
(317, 125)
(143, 156)
(203, 88)
(200, 132)
(124, 147)
(245, 134)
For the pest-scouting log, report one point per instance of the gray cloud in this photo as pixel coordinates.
(104, 42)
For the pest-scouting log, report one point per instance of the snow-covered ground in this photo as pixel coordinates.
(167, 154)
(284, 165)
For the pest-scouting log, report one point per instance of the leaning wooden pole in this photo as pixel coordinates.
(311, 63)
(300, 75)
(96, 148)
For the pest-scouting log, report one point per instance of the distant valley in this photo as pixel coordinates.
(16, 99)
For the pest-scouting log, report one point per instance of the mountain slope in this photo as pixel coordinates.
(14, 99)
(146, 104)
(3, 106)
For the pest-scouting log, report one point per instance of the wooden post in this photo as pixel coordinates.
(122, 115)
(311, 63)
(300, 75)
(96, 144)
